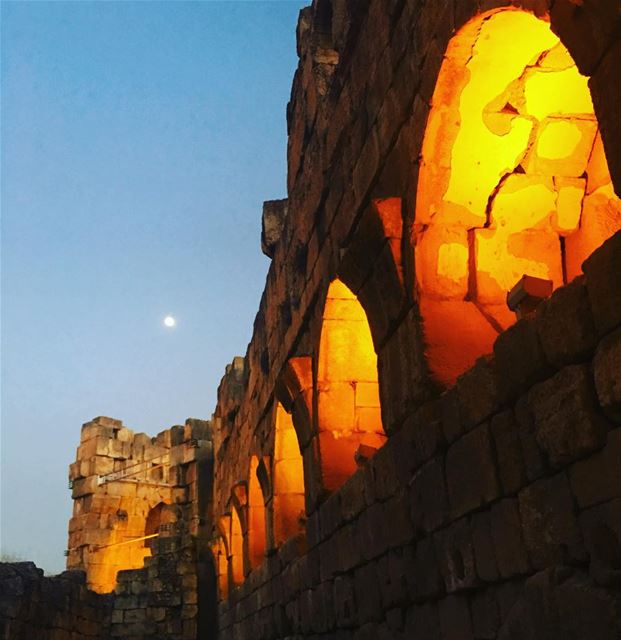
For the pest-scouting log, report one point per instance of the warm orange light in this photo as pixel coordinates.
(288, 480)
(236, 549)
(256, 517)
(513, 181)
(349, 412)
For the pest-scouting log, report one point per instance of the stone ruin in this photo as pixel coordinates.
(397, 455)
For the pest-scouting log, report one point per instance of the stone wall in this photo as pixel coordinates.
(50, 608)
(494, 512)
(491, 509)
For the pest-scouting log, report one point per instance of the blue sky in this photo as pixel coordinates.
(139, 140)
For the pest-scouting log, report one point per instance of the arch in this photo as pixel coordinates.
(288, 495)
(348, 405)
(256, 517)
(513, 180)
(218, 547)
(152, 524)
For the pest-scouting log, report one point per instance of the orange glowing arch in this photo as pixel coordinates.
(513, 180)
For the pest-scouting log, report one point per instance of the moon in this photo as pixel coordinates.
(170, 322)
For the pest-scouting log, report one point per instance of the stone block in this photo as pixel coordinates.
(455, 554)
(344, 602)
(422, 621)
(367, 593)
(471, 472)
(427, 580)
(506, 531)
(519, 358)
(534, 460)
(566, 422)
(601, 529)
(485, 615)
(483, 546)
(397, 513)
(450, 415)
(607, 373)
(505, 435)
(598, 478)
(549, 525)
(394, 570)
(566, 328)
(386, 482)
(455, 620)
(429, 498)
(603, 272)
(478, 393)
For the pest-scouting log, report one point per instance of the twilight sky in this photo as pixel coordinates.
(139, 140)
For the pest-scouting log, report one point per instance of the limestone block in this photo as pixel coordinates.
(483, 546)
(601, 528)
(273, 220)
(455, 554)
(566, 422)
(565, 325)
(603, 271)
(471, 472)
(429, 498)
(455, 620)
(607, 368)
(598, 478)
(506, 531)
(84, 486)
(478, 393)
(508, 447)
(519, 358)
(549, 526)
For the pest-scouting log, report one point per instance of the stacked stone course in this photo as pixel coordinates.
(50, 608)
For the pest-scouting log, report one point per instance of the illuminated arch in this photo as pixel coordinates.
(513, 180)
(288, 495)
(256, 517)
(348, 405)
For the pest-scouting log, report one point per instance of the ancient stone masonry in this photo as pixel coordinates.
(398, 455)
(59, 608)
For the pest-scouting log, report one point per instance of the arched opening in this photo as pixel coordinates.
(236, 550)
(256, 517)
(220, 555)
(288, 500)
(513, 181)
(152, 525)
(348, 405)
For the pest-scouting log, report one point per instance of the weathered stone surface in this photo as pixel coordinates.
(478, 393)
(519, 358)
(273, 220)
(483, 545)
(598, 478)
(566, 328)
(564, 604)
(505, 435)
(549, 525)
(507, 536)
(455, 554)
(566, 421)
(606, 367)
(471, 472)
(429, 498)
(455, 620)
(603, 272)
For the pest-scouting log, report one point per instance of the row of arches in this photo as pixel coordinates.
(268, 507)
(513, 180)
